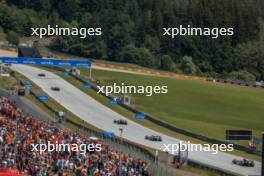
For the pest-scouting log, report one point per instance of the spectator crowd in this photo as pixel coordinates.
(18, 130)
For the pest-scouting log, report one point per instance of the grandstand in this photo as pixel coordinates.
(18, 130)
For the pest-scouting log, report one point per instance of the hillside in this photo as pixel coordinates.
(133, 32)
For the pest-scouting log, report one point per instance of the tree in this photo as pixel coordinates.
(146, 58)
(79, 49)
(59, 44)
(69, 9)
(250, 56)
(187, 65)
(12, 38)
(140, 23)
(242, 75)
(141, 56)
(152, 43)
(157, 21)
(167, 63)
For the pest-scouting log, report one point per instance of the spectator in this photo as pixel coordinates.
(18, 130)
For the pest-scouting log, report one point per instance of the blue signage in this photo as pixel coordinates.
(28, 85)
(65, 73)
(112, 102)
(108, 134)
(257, 141)
(43, 97)
(46, 62)
(87, 86)
(140, 116)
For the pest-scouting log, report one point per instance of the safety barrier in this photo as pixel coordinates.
(237, 83)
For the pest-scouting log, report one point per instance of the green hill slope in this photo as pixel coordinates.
(202, 107)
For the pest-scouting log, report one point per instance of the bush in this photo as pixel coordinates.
(58, 43)
(167, 63)
(188, 66)
(242, 75)
(141, 56)
(12, 38)
(79, 49)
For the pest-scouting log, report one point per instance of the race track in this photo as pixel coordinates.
(102, 117)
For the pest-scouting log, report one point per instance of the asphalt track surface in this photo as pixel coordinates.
(102, 117)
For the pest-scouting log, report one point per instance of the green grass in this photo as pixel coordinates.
(7, 83)
(202, 107)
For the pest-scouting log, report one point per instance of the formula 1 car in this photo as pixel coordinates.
(55, 88)
(153, 138)
(21, 92)
(244, 162)
(120, 122)
(41, 74)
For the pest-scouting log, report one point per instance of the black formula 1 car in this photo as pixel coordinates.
(153, 138)
(21, 92)
(55, 88)
(244, 162)
(120, 122)
(41, 74)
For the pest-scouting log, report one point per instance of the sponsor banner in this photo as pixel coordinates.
(140, 116)
(28, 85)
(87, 86)
(108, 134)
(112, 102)
(43, 97)
(46, 62)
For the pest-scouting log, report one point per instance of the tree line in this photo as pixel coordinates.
(132, 32)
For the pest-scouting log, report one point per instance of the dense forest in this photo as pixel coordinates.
(132, 32)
